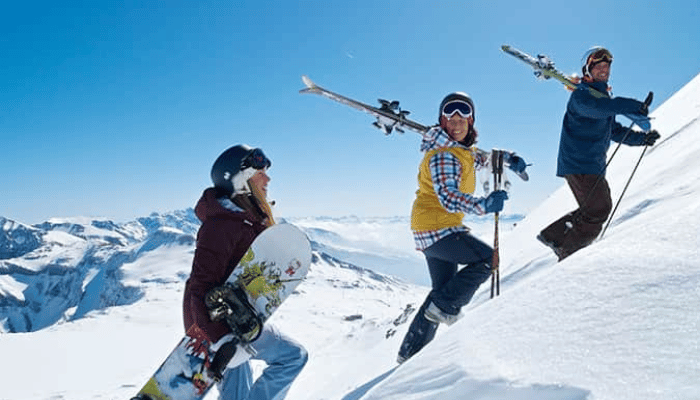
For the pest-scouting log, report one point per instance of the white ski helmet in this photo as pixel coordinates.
(233, 168)
(593, 56)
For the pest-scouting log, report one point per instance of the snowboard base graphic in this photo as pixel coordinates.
(277, 261)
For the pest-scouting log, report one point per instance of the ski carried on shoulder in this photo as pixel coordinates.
(544, 69)
(390, 117)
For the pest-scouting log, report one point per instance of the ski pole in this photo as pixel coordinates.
(607, 164)
(495, 278)
(497, 165)
(647, 103)
(623, 191)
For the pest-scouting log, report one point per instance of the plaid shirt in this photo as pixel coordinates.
(446, 174)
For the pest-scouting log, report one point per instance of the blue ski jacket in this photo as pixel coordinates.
(589, 126)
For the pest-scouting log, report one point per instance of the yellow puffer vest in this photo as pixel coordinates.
(428, 214)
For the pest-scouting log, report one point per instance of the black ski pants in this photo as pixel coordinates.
(453, 288)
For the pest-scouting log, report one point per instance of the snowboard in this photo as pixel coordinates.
(274, 265)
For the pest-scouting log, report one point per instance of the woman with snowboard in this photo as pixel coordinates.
(233, 213)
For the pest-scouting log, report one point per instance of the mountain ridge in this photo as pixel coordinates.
(64, 268)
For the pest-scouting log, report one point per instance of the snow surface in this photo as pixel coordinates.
(617, 320)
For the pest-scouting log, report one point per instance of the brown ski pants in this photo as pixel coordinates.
(580, 227)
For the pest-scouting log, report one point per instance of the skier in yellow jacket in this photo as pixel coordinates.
(446, 183)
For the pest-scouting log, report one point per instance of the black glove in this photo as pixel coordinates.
(651, 137)
(515, 163)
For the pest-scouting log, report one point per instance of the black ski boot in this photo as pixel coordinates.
(420, 333)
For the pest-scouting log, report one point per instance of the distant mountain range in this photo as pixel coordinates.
(62, 269)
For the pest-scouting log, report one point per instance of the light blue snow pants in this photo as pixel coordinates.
(284, 357)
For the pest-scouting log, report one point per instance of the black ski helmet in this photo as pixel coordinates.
(457, 96)
(234, 161)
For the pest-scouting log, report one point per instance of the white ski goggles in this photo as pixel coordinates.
(457, 106)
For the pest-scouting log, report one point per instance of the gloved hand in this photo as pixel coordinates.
(515, 163)
(493, 203)
(651, 137)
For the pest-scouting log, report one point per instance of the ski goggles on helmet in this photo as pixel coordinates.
(602, 55)
(256, 159)
(457, 106)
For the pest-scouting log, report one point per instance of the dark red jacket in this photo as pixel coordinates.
(222, 240)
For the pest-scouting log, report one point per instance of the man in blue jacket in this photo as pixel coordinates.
(589, 126)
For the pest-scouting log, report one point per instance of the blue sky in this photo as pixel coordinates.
(117, 109)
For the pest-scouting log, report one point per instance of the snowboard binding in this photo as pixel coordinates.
(229, 302)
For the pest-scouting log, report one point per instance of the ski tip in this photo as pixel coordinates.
(311, 87)
(308, 82)
(505, 47)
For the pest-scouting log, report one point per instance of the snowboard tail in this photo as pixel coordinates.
(185, 374)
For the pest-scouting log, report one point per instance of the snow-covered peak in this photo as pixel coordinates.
(17, 239)
(64, 268)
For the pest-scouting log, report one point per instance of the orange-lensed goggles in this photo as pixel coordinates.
(602, 55)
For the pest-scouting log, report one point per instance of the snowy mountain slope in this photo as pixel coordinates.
(17, 239)
(618, 319)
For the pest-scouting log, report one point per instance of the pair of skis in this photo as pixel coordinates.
(389, 115)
